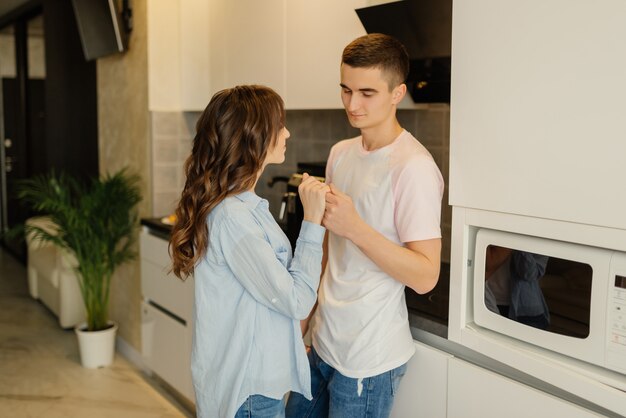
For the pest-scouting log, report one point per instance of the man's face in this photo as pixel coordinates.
(366, 96)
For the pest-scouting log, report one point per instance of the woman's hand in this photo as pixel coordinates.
(313, 196)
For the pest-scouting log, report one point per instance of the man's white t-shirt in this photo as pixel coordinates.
(361, 325)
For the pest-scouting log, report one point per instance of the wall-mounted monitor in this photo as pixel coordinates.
(99, 26)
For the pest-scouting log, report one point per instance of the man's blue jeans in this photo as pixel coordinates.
(338, 396)
(258, 406)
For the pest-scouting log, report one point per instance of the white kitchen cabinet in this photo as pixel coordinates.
(166, 315)
(166, 348)
(247, 43)
(156, 284)
(423, 390)
(292, 46)
(316, 33)
(521, 140)
(178, 54)
(475, 392)
(195, 82)
(163, 21)
(197, 47)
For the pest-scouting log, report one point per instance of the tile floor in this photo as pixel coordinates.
(40, 371)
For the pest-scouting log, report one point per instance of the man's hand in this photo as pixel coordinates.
(341, 216)
(416, 263)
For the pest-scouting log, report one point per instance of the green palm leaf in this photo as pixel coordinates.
(96, 222)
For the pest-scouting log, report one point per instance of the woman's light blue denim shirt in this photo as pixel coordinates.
(250, 295)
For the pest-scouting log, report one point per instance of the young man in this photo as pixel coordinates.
(383, 218)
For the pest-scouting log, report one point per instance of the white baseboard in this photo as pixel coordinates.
(179, 401)
(131, 354)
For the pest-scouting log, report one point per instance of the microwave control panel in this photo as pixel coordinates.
(618, 316)
(618, 311)
(616, 347)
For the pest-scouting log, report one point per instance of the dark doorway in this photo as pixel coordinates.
(23, 158)
(49, 115)
(22, 73)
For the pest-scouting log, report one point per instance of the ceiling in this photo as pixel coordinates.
(34, 24)
(8, 5)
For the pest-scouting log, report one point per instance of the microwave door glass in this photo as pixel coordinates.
(539, 291)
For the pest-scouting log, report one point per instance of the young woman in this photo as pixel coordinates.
(250, 293)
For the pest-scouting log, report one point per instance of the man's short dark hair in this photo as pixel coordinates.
(377, 50)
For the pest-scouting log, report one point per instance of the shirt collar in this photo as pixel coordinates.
(251, 199)
(382, 150)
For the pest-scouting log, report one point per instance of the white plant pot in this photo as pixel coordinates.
(97, 348)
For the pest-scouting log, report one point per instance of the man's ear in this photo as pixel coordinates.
(398, 93)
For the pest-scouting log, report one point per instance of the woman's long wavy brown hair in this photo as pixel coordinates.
(233, 136)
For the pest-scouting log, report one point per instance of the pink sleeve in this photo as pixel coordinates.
(418, 190)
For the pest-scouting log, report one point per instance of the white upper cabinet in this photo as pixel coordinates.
(316, 33)
(246, 45)
(163, 55)
(178, 54)
(195, 82)
(197, 47)
(538, 122)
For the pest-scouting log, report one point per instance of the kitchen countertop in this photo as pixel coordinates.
(155, 225)
(427, 312)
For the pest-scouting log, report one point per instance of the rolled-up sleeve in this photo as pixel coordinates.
(288, 289)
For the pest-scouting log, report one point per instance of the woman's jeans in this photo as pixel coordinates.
(258, 406)
(338, 396)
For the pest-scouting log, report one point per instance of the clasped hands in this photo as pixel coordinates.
(325, 204)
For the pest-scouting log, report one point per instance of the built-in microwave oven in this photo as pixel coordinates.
(560, 296)
(559, 319)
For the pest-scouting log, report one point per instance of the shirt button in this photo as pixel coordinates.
(274, 300)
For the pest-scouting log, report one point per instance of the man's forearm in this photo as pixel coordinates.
(415, 269)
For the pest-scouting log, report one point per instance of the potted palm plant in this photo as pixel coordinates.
(94, 222)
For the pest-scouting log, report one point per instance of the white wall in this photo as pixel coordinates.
(537, 119)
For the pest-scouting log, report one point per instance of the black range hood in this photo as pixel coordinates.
(425, 29)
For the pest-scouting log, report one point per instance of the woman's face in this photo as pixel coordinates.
(276, 155)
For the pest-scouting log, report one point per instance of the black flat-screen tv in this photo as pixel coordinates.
(99, 26)
(425, 29)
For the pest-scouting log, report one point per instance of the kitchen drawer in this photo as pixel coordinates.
(157, 285)
(423, 389)
(474, 392)
(154, 249)
(166, 348)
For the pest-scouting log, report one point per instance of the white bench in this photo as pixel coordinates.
(51, 277)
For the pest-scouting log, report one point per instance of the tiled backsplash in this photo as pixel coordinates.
(313, 133)
(171, 135)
